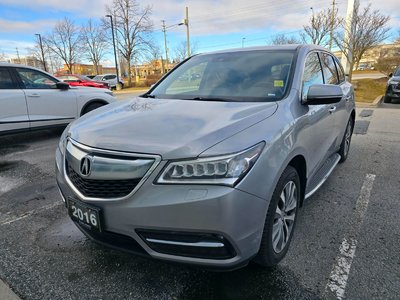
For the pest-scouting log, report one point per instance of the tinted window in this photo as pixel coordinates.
(339, 68)
(5, 79)
(329, 69)
(312, 72)
(397, 73)
(235, 76)
(33, 79)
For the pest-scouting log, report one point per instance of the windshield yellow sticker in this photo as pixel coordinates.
(278, 83)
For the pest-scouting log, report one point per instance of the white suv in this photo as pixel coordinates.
(31, 98)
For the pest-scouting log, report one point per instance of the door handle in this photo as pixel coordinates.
(34, 95)
(332, 109)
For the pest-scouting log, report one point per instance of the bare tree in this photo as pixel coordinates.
(3, 56)
(282, 39)
(133, 29)
(36, 52)
(154, 56)
(387, 65)
(369, 28)
(180, 51)
(64, 42)
(94, 43)
(317, 31)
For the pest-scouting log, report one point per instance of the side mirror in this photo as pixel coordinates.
(390, 75)
(319, 94)
(62, 86)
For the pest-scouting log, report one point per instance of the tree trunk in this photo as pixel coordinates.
(351, 72)
(128, 62)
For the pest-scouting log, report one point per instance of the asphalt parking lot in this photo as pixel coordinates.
(346, 243)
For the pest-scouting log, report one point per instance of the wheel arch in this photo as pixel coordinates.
(299, 163)
(90, 102)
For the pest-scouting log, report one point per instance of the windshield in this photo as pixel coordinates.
(397, 73)
(83, 77)
(97, 78)
(260, 75)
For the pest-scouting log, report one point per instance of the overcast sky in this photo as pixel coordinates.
(214, 24)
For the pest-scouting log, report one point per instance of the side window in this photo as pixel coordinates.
(312, 72)
(342, 77)
(6, 81)
(33, 79)
(329, 69)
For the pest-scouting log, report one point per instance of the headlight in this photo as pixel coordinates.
(222, 170)
(62, 144)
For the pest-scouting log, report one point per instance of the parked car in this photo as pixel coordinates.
(90, 76)
(31, 98)
(111, 79)
(393, 87)
(211, 174)
(81, 80)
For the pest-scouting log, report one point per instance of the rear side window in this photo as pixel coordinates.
(312, 72)
(6, 81)
(329, 69)
(340, 71)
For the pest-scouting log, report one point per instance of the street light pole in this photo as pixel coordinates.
(187, 31)
(118, 85)
(165, 45)
(41, 50)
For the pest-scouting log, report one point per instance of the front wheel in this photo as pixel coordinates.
(91, 107)
(387, 99)
(280, 220)
(345, 145)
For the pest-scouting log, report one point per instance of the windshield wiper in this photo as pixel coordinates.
(148, 96)
(211, 99)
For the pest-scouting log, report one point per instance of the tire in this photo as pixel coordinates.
(387, 99)
(91, 107)
(280, 226)
(346, 141)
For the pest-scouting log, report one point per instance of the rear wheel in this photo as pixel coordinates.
(280, 220)
(91, 107)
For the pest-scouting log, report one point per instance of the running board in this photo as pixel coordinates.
(322, 175)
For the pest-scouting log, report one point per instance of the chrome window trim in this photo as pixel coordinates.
(157, 160)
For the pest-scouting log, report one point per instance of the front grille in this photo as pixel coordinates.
(105, 189)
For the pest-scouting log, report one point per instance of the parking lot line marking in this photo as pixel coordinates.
(340, 272)
(29, 213)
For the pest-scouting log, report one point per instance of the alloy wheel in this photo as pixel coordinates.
(284, 217)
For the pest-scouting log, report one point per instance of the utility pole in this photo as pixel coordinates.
(41, 50)
(118, 84)
(349, 30)
(332, 22)
(165, 45)
(19, 59)
(187, 31)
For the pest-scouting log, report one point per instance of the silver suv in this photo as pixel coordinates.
(210, 170)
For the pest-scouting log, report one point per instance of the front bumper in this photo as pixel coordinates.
(214, 212)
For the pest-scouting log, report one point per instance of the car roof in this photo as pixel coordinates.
(289, 47)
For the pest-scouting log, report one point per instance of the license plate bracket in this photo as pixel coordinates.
(84, 214)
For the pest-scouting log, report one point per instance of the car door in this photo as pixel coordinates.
(112, 80)
(338, 110)
(47, 105)
(13, 109)
(318, 135)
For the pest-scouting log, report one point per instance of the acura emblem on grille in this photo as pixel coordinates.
(85, 166)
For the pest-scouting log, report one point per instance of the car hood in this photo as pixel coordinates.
(170, 128)
(394, 78)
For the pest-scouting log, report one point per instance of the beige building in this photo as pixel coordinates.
(28, 61)
(84, 69)
(155, 67)
(372, 55)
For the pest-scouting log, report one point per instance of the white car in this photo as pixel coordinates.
(31, 98)
(111, 79)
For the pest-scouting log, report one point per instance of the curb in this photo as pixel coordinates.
(128, 92)
(6, 293)
(375, 103)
